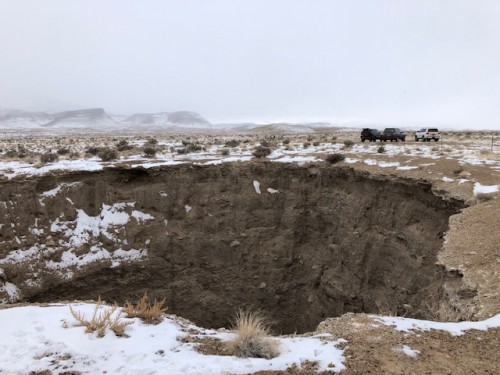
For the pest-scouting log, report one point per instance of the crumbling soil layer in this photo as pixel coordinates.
(302, 243)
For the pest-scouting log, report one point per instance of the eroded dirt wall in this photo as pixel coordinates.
(316, 242)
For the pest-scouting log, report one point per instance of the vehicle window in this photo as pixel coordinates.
(433, 130)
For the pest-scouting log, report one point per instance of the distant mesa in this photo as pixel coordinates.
(180, 118)
(81, 118)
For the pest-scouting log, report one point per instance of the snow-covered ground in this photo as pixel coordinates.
(390, 156)
(167, 153)
(36, 338)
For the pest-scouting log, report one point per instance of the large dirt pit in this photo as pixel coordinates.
(300, 243)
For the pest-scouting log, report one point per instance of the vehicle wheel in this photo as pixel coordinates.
(403, 139)
(416, 139)
(435, 139)
(362, 139)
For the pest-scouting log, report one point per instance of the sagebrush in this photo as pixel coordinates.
(335, 158)
(261, 152)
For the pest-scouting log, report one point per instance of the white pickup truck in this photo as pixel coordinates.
(427, 134)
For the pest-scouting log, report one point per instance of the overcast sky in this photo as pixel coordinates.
(350, 62)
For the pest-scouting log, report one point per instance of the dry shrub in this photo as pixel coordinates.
(381, 149)
(457, 171)
(232, 143)
(224, 151)
(348, 143)
(261, 152)
(316, 143)
(49, 157)
(251, 337)
(63, 151)
(10, 153)
(152, 141)
(189, 147)
(151, 314)
(149, 151)
(102, 320)
(335, 158)
(264, 143)
(107, 154)
(123, 145)
(445, 312)
(92, 150)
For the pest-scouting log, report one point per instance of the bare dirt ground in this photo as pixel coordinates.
(471, 248)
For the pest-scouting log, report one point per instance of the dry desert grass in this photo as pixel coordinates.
(251, 338)
(149, 313)
(101, 319)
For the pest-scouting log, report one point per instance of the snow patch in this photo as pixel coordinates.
(455, 329)
(256, 186)
(408, 351)
(484, 189)
(12, 291)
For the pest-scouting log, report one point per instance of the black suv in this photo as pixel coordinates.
(392, 134)
(370, 134)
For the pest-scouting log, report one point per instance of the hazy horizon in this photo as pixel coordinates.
(350, 63)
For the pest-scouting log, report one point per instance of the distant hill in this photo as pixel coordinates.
(97, 118)
(269, 128)
(82, 118)
(180, 118)
(283, 128)
(16, 118)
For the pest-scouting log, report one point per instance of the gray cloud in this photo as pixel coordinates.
(402, 62)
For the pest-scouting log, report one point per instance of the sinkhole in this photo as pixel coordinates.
(300, 243)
